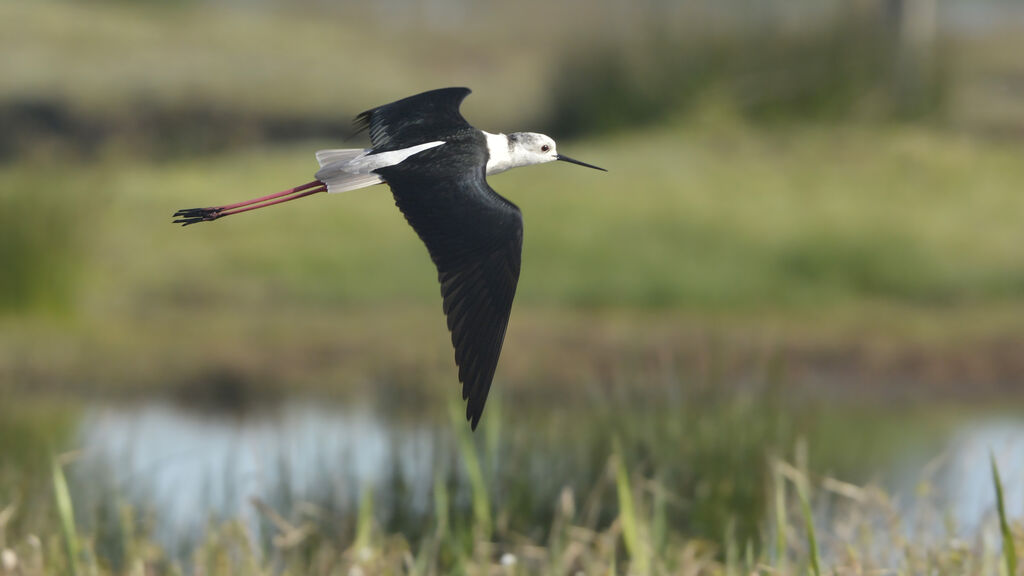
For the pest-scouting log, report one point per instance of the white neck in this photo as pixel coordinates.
(499, 158)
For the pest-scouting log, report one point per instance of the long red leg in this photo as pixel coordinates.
(306, 186)
(194, 215)
(271, 203)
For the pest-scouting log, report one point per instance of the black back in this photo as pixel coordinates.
(474, 237)
(425, 117)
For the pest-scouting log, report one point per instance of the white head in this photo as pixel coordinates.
(523, 149)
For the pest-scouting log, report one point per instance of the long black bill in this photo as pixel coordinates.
(564, 158)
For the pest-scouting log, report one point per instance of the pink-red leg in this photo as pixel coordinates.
(194, 215)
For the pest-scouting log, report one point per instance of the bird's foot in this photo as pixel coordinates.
(195, 215)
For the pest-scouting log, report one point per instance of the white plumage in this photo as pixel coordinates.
(352, 168)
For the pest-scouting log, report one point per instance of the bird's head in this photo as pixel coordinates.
(526, 148)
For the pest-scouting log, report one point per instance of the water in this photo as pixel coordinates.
(189, 467)
(966, 481)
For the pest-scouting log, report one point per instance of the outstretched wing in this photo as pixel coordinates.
(475, 239)
(414, 120)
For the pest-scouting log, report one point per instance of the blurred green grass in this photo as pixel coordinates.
(105, 57)
(39, 237)
(848, 62)
(687, 218)
(119, 71)
(844, 242)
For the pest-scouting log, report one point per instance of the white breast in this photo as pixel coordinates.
(498, 157)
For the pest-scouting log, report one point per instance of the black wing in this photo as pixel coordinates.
(475, 238)
(415, 120)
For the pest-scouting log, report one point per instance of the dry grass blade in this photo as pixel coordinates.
(5, 517)
(781, 522)
(289, 535)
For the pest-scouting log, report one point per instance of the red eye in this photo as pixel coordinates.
(545, 148)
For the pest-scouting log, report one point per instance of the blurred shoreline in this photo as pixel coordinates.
(880, 355)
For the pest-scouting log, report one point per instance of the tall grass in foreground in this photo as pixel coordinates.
(1009, 547)
(67, 516)
(863, 534)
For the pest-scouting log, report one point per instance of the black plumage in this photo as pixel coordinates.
(436, 165)
(474, 235)
(425, 117)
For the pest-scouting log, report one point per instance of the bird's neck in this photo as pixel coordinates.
(499, 153)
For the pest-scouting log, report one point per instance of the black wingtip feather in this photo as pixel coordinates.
(408, 121)
(360, 124)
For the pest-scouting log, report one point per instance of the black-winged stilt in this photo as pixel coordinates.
(437, 166)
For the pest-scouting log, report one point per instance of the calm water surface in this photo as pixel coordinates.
(192, 467)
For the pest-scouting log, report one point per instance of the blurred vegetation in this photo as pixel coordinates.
(795, 206)
(30, 431)
(708, 491)
(853, 65)
(225, 76)
(814, 217)
(45, 220)
(829, 240)
(862, 234)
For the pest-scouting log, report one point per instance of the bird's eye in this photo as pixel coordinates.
(545, 148)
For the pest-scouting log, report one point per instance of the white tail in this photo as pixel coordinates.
(338, 175)
(325, 157)
(352, 168)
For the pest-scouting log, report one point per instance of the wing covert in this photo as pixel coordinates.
(424, 117)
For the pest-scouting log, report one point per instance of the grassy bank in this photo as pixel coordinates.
(721, 219)
(626, 522)
(853, 241)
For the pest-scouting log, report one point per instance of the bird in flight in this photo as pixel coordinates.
(436, 165)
